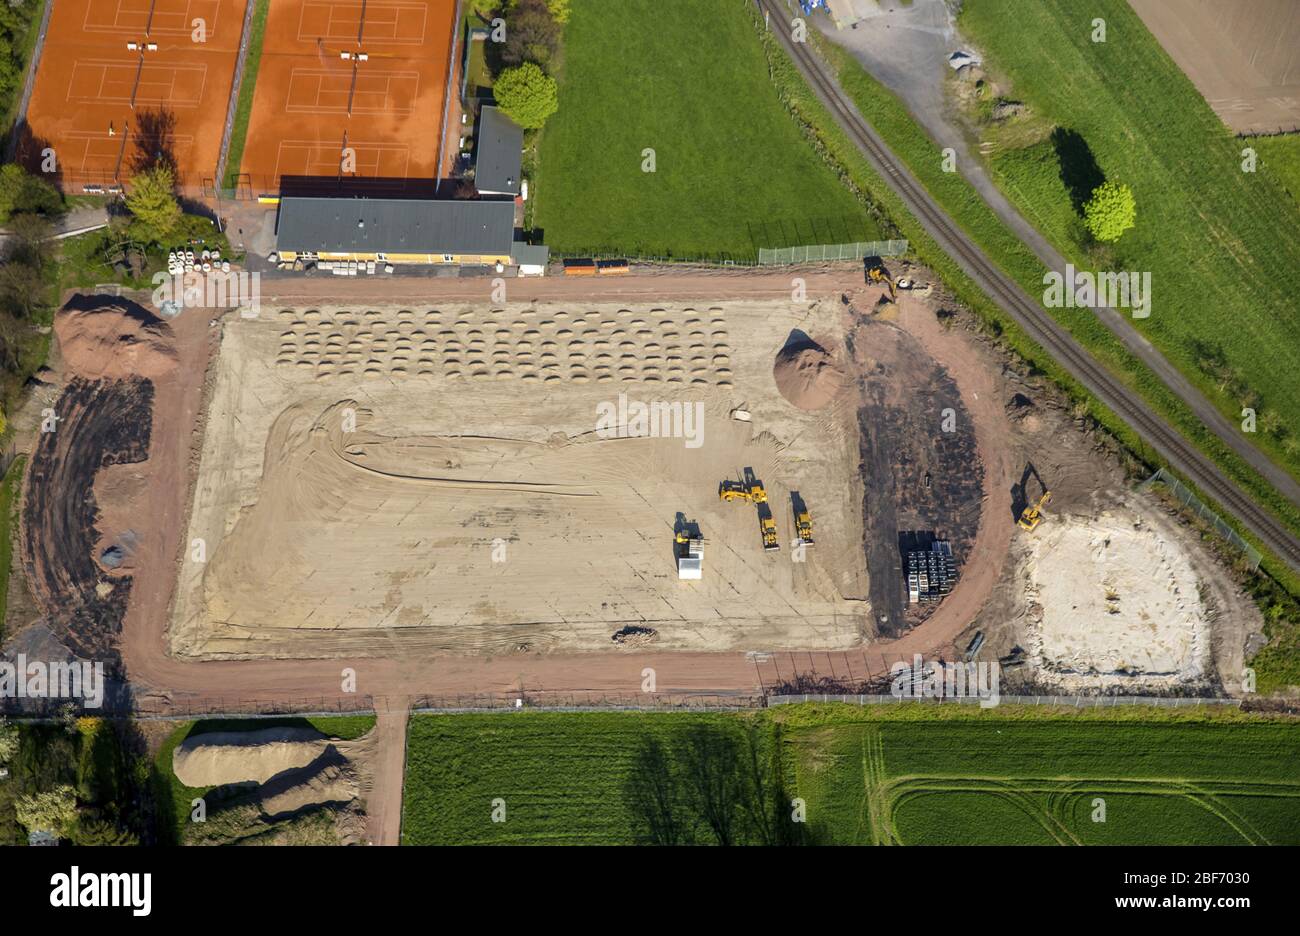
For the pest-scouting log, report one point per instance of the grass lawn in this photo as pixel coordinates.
(733, 172)
(239, 131)
(174, 799)
(1222, 245)
(911, 773)
(9, 503)
(1281, 156)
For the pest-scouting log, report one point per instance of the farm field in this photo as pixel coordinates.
(1222, 245)
(902, 775)
(1281, 156)
(729, 158)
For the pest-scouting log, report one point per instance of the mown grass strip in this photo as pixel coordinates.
(10, 497)
(239, 131)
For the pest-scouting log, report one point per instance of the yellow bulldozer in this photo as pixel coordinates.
(803, 525)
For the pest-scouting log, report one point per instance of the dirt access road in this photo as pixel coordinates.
(165, 681)
(1052, 336)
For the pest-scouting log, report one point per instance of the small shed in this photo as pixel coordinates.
(498, 160)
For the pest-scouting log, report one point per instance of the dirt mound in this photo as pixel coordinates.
(115, 342)
(807, 375)
(332, 784)
(223, 757)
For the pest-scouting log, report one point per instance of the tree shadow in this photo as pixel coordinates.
(153, 137)
(710, 784)
(1079, 170)
(29, 151)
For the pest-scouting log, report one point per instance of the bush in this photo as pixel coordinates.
(532, 34)
(1110, 211)
(23, 193)
(527, 95)
(559, 9)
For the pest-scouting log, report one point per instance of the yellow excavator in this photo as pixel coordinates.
(1032, 515)
(878, 273)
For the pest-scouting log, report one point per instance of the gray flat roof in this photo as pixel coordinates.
(498, 163)
(530, 254)
(395, 225)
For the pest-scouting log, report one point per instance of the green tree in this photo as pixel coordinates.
(152, 202)
(527, 95)
(559, 9)
(22, 192)
(532, 35)
(1110, 211)
(8, 736)
(52, 811)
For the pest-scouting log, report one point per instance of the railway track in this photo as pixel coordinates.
(1027, 313)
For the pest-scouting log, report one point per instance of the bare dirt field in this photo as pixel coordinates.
(105, 109)
(1244, 58)
(315, 100)
(441, 479)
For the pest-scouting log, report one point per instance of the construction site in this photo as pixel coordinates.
(749, 492)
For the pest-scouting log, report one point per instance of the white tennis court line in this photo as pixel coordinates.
(328, 162)
(107, 66)
(98, 148)
(345, 82)
(140, 16)
(350, 23)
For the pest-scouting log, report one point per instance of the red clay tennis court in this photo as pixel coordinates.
(351, 90)
(104, 107)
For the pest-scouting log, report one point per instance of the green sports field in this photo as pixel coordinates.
(912, 774)
(733, 172)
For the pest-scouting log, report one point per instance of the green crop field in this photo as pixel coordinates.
(1222, 245)
(1281, 156)
(688, 79)
(915, 774)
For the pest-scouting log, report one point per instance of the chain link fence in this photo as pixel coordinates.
(784, 256)
(1205, 515)
(1076, 701)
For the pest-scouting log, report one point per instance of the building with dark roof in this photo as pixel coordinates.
(498, 162)
(394, 230)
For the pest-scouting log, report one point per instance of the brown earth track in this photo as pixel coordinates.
(86, 75)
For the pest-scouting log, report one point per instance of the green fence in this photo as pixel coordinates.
(1205, 514)
(783, 256)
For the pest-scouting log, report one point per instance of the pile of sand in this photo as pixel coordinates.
(807, 376)
(245, 756)
(115, 342)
